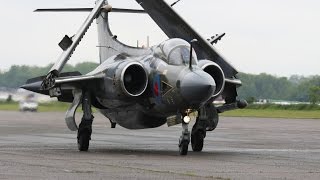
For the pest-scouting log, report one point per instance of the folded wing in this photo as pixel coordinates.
(175, 26)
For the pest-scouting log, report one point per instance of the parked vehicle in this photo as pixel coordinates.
(29, 104)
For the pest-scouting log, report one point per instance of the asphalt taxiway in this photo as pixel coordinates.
(39, 146)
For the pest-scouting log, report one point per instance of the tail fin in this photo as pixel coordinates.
(109, 45)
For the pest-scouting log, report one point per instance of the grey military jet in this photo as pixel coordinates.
(140, 88)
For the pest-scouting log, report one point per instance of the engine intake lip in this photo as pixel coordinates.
(220, 76)
(140, 73)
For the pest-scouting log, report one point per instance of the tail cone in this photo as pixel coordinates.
(35, 87)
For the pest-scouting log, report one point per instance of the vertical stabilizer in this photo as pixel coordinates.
(108, 43)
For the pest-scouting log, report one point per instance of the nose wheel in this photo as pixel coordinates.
(184, 139)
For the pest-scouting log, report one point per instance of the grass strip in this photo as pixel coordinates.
(274, 113)
(261, 111)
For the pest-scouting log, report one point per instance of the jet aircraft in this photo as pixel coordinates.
(140, 88)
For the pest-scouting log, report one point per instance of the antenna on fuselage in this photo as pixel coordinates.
(191, 47)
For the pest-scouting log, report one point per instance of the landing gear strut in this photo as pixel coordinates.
(184, 139)
(197, 135)
(85, 127)
(207, 120)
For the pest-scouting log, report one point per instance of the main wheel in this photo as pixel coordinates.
(83, 141)
(183, 147)
(197, 141)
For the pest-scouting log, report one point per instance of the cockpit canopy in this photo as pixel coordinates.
(176, 52)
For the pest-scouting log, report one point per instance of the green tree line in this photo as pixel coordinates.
(18, 75)
(262, 86)
(294, 88)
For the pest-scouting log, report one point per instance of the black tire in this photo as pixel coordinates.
(197, 141)
(183, 148)
(83, 141)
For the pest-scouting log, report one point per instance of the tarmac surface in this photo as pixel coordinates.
(39, 146)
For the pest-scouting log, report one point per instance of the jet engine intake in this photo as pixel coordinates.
(126, 79)
(216, 73)
(134, 79)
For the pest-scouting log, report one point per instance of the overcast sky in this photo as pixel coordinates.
(279, 37)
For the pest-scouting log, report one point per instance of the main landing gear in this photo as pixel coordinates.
(85, 127)
(207, 120)
(197, 136)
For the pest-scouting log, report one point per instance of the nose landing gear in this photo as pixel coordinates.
(184, 139)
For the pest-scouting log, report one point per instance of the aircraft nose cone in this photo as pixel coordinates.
(197, 87)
